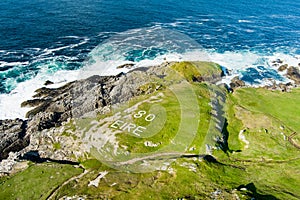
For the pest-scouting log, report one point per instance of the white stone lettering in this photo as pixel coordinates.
(117, 124)
(129, 127)
(150, 117)
(139, 114)
(138, 130)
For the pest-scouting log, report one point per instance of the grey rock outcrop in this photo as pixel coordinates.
(13, 136)
(54, 106)
(74, 100)
(293, 73)
(236, 82)
(283, 67)
(81, 98)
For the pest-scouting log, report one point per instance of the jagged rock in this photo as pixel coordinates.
(277, 61)
(53, 106)
(6, 166)
(13, 136)
(283, 67)
(44, 121)
(75, 99)
(127, 65)
(226, 87)
(281, 86)
(293, 73)
(236, 82)
(48, 82)
(33, 102)
(128, 86)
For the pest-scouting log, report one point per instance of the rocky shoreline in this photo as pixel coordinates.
(89, 97)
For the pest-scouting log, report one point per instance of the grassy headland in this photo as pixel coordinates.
(251, 134)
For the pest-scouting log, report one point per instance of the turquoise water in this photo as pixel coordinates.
(40, 36)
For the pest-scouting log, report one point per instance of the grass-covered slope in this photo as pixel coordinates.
(37, 181)
(260, 126)
(252, 135)
(281, 106)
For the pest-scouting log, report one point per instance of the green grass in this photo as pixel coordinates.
(268, 167)
(182, 183)
(233, 126)
(162, 133)
(192, 71)
(56, 146)
(37, 181)
(93, 164)
(282, 106)
(270, 160)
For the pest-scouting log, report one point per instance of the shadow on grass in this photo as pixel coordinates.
(251, 191)
(34, 156)
(224, 144)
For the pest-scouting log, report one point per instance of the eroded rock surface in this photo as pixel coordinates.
(293, 73)
(13, 136)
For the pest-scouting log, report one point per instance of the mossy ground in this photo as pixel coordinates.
(37, 181)
(257, 159)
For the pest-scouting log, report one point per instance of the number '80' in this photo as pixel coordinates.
(149, 118)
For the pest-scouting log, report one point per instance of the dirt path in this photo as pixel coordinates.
(159, 156)
(54, 192)
(290, 139)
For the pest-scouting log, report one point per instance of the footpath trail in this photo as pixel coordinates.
(54, 192)
(290, 139)
(159, 156)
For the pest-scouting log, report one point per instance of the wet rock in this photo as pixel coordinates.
(75, 99)
(54, 106)
(236, 82)
(283, 67)
(127, 66)
(48, 82)
(293, 73)
(33, 102)
(284, 87)
(277, 61)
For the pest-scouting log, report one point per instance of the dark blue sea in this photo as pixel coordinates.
(52, 40)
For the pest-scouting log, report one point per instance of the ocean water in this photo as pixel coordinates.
(61, 40)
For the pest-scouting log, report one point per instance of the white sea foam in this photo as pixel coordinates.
(249, 30)
(106, 68)
(233, 61)
(2, 63)
(244, 21)
(10, 104)
(51, 51)
(72, 36)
